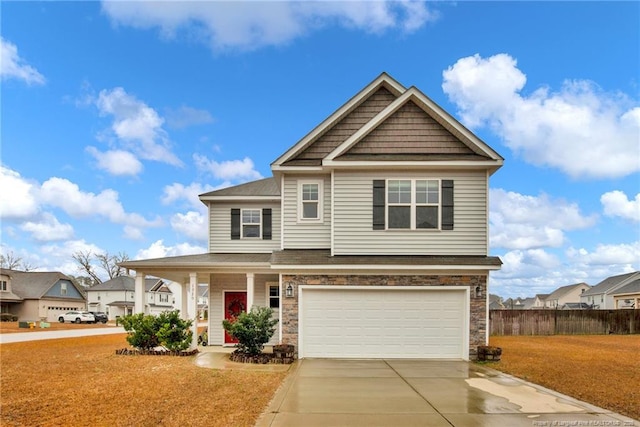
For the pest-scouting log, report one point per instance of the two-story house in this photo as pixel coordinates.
(39, 295)
(601, 296)
(116, 296)
(369, 241)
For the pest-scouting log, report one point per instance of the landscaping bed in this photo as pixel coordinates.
(603, 370)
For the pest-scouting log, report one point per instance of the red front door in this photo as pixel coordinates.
(234, 304)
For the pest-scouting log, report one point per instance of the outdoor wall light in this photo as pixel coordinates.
(478, 292)
(288, 292)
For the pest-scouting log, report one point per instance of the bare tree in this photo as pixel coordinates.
(108, 263)
(14, 262)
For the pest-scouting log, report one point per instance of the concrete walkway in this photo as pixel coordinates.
(320, 392)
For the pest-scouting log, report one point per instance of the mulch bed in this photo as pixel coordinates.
(262, 358)
(137, 352)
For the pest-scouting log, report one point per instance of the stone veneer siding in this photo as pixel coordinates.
(477, 319)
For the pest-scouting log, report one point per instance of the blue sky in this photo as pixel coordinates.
(116, 115)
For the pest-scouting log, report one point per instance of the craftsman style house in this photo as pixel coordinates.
(369, 241)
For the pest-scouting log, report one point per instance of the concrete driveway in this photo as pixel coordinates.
(321, 392)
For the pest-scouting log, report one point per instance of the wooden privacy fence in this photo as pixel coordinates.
(564, 322)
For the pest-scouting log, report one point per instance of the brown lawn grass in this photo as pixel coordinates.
(81, 381)
(603, 370)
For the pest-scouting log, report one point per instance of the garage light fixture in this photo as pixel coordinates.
(478, 292)
(288, 292)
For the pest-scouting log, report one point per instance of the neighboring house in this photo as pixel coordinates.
(369, 241)
(601, 297)
(495, 302)
(203, 302)
(627, 296)
(565, 294)
(40, 295)
(538, 301)
(527, 303)
(575, 306)
(514, 303)
(8, 300)
(116, 296)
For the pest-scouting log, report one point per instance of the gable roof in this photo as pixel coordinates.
(261, 189)
(383, 82)
(630, 288)
(406, 126)
(611, 283)
(35, 284)
(126, 283)
(564, 290)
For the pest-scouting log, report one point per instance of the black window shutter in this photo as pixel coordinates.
(447, 204)
(266, 224)
(235, 224)
(378, 204)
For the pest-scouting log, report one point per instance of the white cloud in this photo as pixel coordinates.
(190, 193)
(251, 25)
(17, 198)
(616, 203)
(519, 221)
(132, 233)
(159, 250)
(137, 126)
(231, 170)
(48, 229)
(12, 66)
(193, 225)
(579, 129)
(116, 162)
(67, 196)
(625, 255)
(187, 116)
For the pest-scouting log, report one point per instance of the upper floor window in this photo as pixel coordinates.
(413, 203)
(3, 285)
(63, 288)
(251, 223)
(310, 200)
(164, 298)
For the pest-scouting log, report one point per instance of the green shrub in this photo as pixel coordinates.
(252, 330)
(8, 317)
(146, 331)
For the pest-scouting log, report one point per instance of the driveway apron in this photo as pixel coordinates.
(322, 392)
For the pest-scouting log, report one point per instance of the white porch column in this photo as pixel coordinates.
(193, 307)
(138, 306)
(184, 306)
(250, 290)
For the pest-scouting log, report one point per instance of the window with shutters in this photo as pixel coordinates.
(310, 201)
(413, 204)
(251, 223)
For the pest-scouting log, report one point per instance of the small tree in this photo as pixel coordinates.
(252, 330)
(168, 330)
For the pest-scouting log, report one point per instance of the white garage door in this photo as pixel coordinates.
(383, 323)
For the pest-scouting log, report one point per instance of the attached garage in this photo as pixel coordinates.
(422, 322)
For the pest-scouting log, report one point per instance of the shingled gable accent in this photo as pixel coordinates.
(473, 144)
(342, 123)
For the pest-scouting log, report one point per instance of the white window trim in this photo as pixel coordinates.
(267, 302)
(319, 183)
(259, 224)
(413, 205)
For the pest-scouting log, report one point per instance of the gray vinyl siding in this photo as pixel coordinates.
(306, 235)
(234, 282)
(220, 229)
(354, 235)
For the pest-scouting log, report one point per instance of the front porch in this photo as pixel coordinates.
(247, 277)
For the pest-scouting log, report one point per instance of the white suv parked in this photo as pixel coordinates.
(77, 317)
